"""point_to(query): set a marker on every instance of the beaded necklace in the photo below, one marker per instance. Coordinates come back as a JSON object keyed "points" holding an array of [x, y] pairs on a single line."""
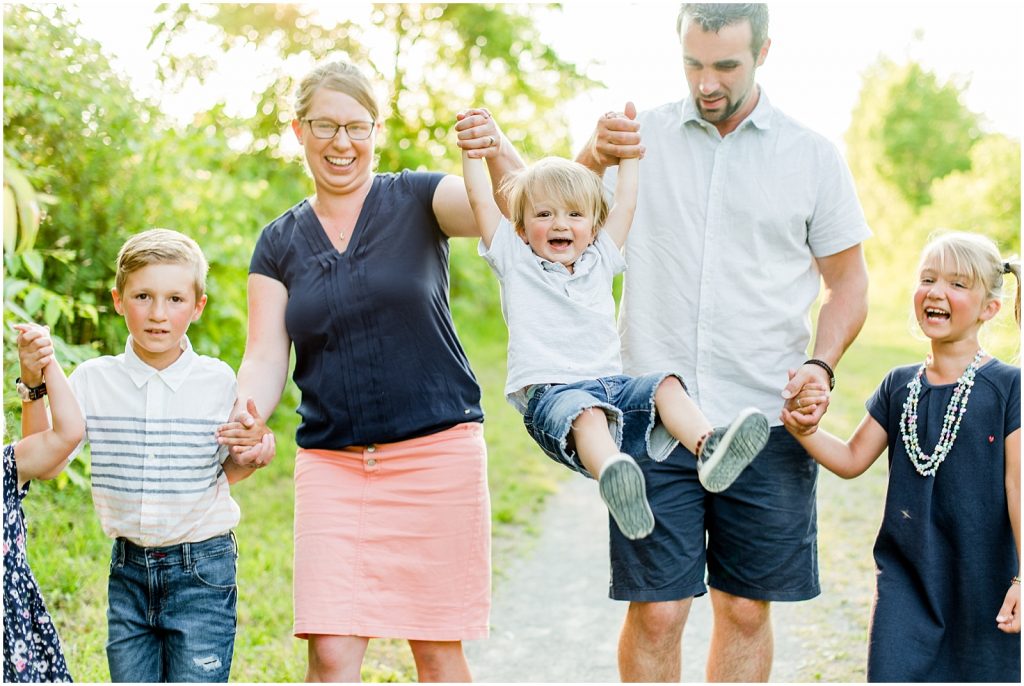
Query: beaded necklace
{"points": [[927, 465]]}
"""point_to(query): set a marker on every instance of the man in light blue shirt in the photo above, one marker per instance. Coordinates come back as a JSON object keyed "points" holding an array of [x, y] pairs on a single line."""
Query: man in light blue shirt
{"points": [[743, 214]]}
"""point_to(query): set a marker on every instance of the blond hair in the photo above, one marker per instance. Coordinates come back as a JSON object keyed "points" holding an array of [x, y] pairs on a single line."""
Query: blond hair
{"points": [[161, 246], [975, 257], [559, 179], [336, 76]]}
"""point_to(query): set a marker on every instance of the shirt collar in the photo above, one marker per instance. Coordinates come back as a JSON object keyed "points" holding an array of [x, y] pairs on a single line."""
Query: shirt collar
{"points": [[761, 116], [174, 376], [581, 266]]}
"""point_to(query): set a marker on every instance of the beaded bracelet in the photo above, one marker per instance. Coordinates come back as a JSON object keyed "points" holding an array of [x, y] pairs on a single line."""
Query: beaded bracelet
{"points": [[1015, 580]]}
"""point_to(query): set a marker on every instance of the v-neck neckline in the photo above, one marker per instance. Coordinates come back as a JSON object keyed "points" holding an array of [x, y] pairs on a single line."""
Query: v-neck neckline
{"points": [[313, 225]]}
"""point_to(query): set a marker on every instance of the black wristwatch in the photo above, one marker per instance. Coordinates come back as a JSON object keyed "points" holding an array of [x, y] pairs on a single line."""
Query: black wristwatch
{"points": [[29, 393], [824, 365]]}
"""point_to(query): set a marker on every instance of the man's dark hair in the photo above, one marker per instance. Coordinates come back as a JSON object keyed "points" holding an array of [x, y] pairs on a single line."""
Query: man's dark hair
{"points": [[713, 16]]}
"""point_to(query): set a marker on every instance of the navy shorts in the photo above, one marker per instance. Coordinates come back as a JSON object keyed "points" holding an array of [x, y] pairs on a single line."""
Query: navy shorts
{"points": [[761, 532], [628, 402]]}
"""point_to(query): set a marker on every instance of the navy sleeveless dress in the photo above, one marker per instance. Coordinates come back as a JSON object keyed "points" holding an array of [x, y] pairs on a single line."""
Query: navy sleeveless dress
{"points": [[32, 650], [945, 552]]}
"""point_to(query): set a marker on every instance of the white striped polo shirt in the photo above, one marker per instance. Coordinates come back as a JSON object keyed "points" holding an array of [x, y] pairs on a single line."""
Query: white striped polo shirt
{"points": [[157, 475]]}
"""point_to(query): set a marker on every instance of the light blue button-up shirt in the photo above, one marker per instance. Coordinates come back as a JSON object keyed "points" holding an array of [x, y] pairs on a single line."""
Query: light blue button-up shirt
{"points": [[722, 271]]}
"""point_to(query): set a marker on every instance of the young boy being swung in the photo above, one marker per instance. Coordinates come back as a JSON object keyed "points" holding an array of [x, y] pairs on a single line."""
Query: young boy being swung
{"points": [[159, 478], [555, 256]]}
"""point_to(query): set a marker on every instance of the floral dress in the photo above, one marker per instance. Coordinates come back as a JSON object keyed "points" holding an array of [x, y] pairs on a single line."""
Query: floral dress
{"points": [[32, 651]]}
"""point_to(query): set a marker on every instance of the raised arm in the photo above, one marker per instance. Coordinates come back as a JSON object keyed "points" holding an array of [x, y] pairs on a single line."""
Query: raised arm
{"points": [[481, 196], [615, 138], [42, 455], [35, 352], [478, 136], [846, 459]]}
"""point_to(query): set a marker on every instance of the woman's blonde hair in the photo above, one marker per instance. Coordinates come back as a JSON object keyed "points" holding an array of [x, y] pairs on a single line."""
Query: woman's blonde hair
{"points": [[161, 246], [976, 257], [336, 76], [559, 179]]}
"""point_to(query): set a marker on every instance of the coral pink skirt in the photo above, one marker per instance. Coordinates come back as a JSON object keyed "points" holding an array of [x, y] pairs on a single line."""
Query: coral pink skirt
{"points": [[393, 540]]}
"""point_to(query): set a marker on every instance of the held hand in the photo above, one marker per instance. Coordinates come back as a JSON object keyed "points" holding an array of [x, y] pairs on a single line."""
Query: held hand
{"points": [[478, 133], [1008, 619], [616, 136], [35, 351], [260, 454], [242, 434], [807, 400]]}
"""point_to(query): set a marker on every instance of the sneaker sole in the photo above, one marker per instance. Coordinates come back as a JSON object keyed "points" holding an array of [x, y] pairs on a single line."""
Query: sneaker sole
{"points": [[624, 492], [739, 446]]}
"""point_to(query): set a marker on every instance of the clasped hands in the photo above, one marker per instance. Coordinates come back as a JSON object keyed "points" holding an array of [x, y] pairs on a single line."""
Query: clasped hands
{"points": [[250, 442], [807, 397]]}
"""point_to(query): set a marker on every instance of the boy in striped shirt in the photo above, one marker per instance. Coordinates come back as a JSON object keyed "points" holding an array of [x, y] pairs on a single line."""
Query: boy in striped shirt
{"points": [[159, 478]]}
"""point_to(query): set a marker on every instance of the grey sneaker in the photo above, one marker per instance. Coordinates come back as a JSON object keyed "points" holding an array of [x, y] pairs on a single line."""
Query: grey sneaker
{"points": [[729, 449], [623, 491]]}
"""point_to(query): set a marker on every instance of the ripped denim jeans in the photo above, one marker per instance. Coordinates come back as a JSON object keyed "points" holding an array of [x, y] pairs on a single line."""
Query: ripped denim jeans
{"points": [[627, 401], [171, 613]]}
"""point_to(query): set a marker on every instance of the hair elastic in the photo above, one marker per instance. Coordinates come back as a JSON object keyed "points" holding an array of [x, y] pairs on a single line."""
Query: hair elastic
{"points": [[1006, 268]]}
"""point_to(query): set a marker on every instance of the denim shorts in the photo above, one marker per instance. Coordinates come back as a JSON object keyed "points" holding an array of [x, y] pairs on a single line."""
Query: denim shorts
{"points": [[171, 612], [628, 402], [758, 538]]}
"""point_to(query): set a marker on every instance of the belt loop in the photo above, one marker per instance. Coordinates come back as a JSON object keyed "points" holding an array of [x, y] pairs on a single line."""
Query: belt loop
{"points": [[234, 542], [119, 551], [186, 555]]}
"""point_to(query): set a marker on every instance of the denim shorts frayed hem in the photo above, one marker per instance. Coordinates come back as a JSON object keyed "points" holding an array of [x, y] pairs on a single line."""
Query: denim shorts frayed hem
{"points": [[628, 403]]}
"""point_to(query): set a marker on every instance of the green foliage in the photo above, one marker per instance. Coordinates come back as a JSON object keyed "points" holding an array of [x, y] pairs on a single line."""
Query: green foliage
{"points": [[434, 59], [909, 129], [72, 126], [921, 164], [984, 198]]}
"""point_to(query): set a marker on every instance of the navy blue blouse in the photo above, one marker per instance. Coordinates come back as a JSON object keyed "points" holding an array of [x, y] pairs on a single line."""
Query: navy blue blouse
{"points": [[945, 551], [377, 357]]}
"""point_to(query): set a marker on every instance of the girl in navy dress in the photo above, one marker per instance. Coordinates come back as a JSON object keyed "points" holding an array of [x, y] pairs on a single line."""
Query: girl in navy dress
{"points": [[947, 556], [32, 651]]}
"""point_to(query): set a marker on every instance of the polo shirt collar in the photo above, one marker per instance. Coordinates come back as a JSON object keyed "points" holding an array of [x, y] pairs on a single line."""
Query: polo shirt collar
{"points": [[581, 266], [761, 117], [174, 376]]}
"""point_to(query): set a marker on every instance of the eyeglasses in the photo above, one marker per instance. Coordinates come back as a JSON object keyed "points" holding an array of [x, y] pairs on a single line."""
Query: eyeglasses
{"points": [[325, 129]]}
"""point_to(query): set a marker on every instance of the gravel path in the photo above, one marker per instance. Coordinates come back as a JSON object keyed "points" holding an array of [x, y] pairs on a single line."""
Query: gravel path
{"points": [[552, 620]]}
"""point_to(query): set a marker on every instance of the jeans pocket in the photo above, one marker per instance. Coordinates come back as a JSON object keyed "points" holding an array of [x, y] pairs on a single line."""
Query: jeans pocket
{"points": [[218, 571]]}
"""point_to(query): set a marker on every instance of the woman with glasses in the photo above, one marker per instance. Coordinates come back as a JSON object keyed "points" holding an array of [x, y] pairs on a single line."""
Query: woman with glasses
{"points": [[392, 514]]}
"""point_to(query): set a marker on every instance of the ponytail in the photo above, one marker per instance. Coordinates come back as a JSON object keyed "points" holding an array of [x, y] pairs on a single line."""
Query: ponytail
{"points": [[1012, 266]]}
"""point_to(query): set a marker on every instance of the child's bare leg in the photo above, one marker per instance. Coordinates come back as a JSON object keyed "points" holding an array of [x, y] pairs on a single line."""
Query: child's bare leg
{"points": [[594, 442], [680, 414], [620, 480], [722, 452]]}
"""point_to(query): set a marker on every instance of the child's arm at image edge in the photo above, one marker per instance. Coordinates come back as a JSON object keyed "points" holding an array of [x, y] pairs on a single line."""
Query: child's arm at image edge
{"points": [[481, 198], [43, 455], [1008, 619], [847, 459], [35, 352]]}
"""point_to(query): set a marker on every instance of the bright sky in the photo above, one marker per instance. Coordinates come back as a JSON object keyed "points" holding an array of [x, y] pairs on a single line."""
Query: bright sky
{"points": [[813, 71]]}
